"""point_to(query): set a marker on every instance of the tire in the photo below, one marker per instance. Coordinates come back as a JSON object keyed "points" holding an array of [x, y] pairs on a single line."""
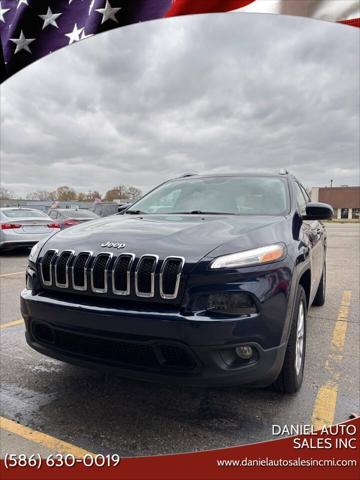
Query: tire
{"points": [[319, 299], [292, 372]]}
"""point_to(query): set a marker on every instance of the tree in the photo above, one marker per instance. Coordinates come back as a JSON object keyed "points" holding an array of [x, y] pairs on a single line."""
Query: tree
{"points": [[65, 193], [134, 193], [122, 192], [116, 193], [90, 196], [41, 195], [5, 194], [81, 196]]}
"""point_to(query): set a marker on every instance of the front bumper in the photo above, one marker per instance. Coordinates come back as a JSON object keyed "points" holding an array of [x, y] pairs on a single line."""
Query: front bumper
{"points": [[12, 245], [9, 241], [155, 346]]}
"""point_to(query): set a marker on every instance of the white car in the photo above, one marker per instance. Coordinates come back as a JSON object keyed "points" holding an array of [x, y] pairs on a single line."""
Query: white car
{"points": [[23, 227]]}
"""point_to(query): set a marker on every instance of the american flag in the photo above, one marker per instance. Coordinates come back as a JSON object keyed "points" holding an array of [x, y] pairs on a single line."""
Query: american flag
{"points": [[31, 29]]}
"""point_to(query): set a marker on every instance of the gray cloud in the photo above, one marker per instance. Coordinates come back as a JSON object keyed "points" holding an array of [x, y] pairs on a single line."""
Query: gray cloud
{"points": [[216, 93]]}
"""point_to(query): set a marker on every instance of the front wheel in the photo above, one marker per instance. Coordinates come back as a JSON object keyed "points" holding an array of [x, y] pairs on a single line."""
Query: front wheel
{"points": [[292, 372]]}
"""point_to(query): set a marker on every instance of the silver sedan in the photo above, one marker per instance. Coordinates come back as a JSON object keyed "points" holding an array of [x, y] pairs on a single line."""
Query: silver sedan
{"points": [[23, 227]]}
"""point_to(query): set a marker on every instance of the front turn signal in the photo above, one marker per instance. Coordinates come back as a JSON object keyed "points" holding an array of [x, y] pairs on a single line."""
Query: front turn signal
{"points": [[257, 256]]}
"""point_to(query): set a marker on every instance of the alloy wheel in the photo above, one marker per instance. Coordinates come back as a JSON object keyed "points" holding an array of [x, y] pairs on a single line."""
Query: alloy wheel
{"points": [[300, 330]]}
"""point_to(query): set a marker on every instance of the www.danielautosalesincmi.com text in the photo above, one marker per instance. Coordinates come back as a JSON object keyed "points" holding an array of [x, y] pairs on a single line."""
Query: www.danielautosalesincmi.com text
{"points": [[286, 462]]}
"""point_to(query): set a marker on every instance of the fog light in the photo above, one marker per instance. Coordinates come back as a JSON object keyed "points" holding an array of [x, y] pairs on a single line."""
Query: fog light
{"points": [[245, 352], [231, 304]]}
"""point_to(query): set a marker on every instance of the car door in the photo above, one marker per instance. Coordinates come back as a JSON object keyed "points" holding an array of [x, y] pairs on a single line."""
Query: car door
{"points": [[313, 232]]}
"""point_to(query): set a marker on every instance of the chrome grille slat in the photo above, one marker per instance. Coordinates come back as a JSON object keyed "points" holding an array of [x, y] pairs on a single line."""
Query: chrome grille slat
{"points": [[180, 261], [46, 262], [141, 292], [116, 267], [68, 255], [79, 256], [97, 260]]}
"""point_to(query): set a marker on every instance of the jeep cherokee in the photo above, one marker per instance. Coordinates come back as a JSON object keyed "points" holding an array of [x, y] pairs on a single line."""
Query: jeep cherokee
{"points": [[206, 280]]}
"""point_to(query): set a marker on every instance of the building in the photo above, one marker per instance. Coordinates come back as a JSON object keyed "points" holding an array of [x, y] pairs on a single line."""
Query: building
{"points": [[344, 200]]}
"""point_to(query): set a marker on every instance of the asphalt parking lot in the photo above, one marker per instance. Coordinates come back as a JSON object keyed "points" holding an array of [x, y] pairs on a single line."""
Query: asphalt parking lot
{"points": [[102, 413]]}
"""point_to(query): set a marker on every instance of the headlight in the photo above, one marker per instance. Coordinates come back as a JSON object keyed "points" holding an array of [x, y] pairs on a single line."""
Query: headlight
{"points": [[258, 256], [34, 252]]}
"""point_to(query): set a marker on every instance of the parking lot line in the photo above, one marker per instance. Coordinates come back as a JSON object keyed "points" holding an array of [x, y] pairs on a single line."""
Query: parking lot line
{"points": [[4, 275], [325, 403], [11, 324], [43, 439]]}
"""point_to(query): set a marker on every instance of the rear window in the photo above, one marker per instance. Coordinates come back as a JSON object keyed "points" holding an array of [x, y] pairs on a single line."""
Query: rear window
{"points": [[106, 209], [79, 214], [22, 213]]}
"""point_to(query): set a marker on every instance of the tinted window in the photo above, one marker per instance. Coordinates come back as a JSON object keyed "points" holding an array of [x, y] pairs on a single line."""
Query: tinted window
{"points": [[24, 213], [233, 195]]}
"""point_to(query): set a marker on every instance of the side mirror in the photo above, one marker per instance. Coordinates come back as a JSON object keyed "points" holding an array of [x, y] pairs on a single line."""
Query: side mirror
{"points": [[318, 211]]}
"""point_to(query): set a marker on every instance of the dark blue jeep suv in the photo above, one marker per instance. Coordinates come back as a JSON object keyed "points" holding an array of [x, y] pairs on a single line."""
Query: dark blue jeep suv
{"points": [[206, 280]]}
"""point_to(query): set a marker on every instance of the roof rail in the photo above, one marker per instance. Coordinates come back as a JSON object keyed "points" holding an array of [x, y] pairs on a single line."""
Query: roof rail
{"points": [[283, 171]]}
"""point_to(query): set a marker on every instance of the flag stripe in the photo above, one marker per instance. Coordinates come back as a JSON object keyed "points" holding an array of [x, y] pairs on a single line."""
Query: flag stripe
{"points": [[185, 7], [354, 22]]}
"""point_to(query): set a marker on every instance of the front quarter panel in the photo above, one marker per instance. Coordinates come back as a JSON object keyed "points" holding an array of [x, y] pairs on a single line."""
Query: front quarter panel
{"points": [[269, 286]]}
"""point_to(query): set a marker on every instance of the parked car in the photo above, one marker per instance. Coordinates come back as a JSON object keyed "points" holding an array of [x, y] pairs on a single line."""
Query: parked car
{"points": [[105, 209], [23, 227], [68, 217], [207, 280]]}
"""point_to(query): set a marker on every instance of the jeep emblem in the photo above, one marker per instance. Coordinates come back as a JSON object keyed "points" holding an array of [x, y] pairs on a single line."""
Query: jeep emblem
{"points": [[113, 245]]}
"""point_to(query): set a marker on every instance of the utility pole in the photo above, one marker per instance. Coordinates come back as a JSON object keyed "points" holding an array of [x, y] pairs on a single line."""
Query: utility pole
{"points": [[331, 182]]}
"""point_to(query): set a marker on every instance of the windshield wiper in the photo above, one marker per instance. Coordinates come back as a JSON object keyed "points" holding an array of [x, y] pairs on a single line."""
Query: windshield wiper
{"points": [[134, 212]]}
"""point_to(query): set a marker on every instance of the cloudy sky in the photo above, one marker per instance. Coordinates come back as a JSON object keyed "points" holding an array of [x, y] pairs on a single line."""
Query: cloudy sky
{"points": [[214, 93]]}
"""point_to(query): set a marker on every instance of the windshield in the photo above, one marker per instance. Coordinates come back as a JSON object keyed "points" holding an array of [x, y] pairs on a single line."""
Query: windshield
{"points": [[20, 213], [216, 195]]}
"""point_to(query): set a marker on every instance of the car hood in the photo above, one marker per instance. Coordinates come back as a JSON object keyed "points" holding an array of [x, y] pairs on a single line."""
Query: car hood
{"points": [[190, 236]]}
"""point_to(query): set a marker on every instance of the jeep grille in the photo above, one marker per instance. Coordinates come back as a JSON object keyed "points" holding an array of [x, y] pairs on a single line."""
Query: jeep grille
{"points": [[105, 273]]}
